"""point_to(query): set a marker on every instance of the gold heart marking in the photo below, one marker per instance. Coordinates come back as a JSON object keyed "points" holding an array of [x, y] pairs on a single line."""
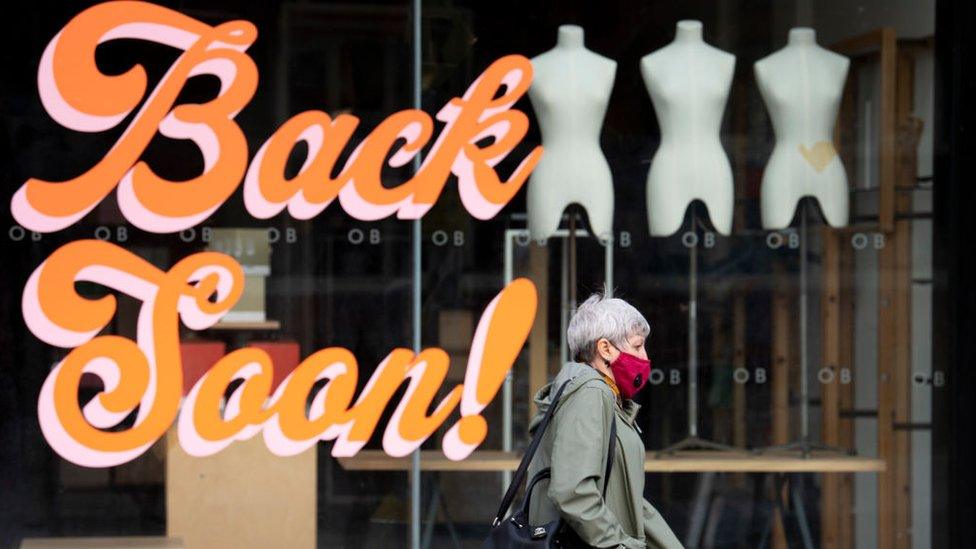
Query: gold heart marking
{"points": [[820, 155]]}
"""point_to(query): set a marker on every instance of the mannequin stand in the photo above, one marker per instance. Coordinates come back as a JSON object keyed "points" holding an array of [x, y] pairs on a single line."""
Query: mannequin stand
{"points": [[790, 487], [693, 441], [571, 266], [804, 444]]}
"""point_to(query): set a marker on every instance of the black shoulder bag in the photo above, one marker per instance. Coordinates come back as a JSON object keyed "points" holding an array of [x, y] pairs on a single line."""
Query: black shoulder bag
{"points": [[516, 531]]}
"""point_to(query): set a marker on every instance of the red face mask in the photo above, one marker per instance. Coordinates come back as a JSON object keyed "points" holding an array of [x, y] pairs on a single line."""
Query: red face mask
{"points": [[630, 372]]}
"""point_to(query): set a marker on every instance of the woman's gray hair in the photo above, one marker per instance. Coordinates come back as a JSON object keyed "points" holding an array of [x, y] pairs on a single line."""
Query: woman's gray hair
{"points": [[601, 316]]}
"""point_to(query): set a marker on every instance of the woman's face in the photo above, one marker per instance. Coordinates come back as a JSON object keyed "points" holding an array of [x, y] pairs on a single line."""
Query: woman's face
{"points": [[633, 344]]}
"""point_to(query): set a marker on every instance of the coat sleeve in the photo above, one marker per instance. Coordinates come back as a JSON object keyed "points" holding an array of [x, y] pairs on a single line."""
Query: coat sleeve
{"points": [[656, 531], [578, 459]]}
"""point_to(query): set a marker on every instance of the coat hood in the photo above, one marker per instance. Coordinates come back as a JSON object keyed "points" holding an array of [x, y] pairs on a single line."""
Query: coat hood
{"points": [[578, 374]]}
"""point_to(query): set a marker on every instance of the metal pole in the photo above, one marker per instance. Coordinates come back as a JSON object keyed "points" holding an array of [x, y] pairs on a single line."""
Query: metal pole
{"points": [[507, 387], [415, 457], [693, 335], [804, 389], [608, 265]]}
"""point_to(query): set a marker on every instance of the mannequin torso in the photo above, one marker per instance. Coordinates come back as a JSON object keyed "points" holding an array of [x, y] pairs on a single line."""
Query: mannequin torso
{"points": [[802, 85], [570, 91], [689, 82]]}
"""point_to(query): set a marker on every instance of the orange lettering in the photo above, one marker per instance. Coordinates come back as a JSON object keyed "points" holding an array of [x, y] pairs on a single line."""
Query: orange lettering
{"points": [[79, 96], [146, 374]]}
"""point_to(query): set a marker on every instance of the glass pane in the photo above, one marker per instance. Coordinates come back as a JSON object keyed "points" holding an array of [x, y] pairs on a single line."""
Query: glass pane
{"points": [[311, 284], [780, 381], [755, 178]]}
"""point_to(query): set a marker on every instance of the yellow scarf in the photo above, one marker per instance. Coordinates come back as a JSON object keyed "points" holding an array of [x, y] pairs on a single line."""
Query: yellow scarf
{"points": [[611, 383]]}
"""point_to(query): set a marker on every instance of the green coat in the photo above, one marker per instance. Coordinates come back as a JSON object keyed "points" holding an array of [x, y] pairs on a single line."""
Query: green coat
{"points": [[575, 447]]}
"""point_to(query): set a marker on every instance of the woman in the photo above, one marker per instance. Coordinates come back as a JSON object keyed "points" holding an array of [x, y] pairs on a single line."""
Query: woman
{"points": [[606, 338]]}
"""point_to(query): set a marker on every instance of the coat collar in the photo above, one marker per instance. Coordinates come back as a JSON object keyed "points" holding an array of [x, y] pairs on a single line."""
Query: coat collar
{"points": [[629, 408], [579, 373]]}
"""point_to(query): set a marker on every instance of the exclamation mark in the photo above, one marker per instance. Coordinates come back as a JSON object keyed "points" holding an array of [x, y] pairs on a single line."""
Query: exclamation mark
{"points": [[501, 333]]}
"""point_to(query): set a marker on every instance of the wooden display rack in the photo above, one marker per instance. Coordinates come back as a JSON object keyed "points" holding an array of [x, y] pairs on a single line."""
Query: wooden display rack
{"points": [[898, 140], [680, 462]]}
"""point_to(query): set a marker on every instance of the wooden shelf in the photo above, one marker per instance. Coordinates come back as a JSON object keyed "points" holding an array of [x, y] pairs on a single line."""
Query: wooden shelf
{"points": [[138, 542], [262, 325], [682, 462]]}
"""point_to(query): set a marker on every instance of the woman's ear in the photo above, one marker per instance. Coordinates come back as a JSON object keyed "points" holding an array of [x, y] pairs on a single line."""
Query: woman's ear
{"points": [[603, 349]]}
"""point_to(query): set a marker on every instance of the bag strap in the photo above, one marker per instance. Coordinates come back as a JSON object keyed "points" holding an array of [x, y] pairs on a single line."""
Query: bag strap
{"points": [[547, 472], [527, 458], [523, 467]]}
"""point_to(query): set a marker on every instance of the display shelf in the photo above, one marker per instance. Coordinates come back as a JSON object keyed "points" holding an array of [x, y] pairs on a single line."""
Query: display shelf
{"points": [[134, 542], [255, 325], [680, 462]]}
